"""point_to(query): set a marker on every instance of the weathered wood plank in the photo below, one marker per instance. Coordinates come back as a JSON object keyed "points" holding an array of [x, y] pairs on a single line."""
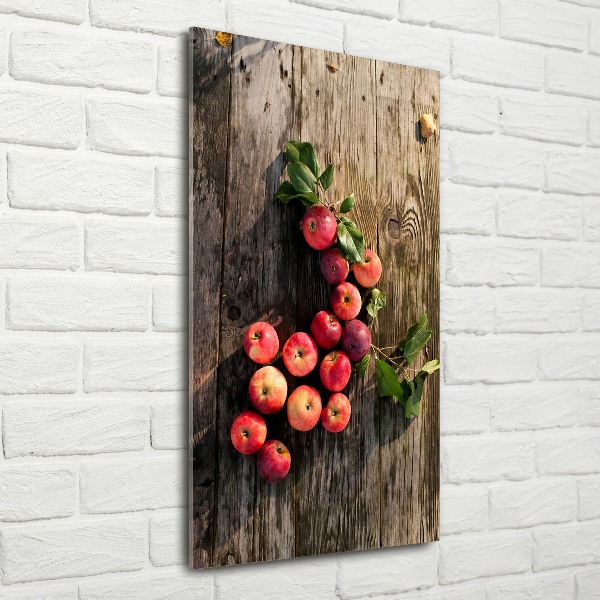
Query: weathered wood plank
{"points": [[408, 193]]}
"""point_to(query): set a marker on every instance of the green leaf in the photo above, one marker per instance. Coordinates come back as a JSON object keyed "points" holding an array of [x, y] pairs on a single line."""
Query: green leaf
{"points": [[362, 365], [412, 405], [347, 204], [301, 177], [303, 152], [286, 192], [326, 178], [350, 240], [387, 381], [415, 344], [430, 367], [377, 301], [308, 199], [414, 328]]}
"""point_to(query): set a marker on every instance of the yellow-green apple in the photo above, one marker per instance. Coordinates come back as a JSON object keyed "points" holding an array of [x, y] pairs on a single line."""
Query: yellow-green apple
{"points": [[268, 390], [334, 266], [335, 371], [368, 272], [336, 414], [273, 461], [356, 339], [346, 301], [248, 432], [300, 354], [261, 342], [304, 408], [319, 227], [326, 329]]}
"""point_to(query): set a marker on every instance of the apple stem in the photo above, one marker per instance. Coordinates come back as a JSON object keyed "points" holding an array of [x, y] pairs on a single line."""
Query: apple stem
{"points": [[388, 358]]}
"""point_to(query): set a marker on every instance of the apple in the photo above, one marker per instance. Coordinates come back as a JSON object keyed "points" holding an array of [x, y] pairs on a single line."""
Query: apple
{"points": [[300, 354], [368, 272], [304, 408], [261, 342], [268, 390], [346, 301], [248, 432], [335, 371], [356, 339], [273, 461], [319, 227], [336, 414], [326, 329], [334, 266]]}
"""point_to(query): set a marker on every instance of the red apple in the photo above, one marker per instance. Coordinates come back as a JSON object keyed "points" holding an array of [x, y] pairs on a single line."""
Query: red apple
{"points": [[268, 390], [335, 371], [319, 227], [346, 301], [326, 329], [261, 342], [367, 273], [248, 432], [356, 339], [300, 354], [273, 461], [334, 266], [304, 408], [336, 414]]}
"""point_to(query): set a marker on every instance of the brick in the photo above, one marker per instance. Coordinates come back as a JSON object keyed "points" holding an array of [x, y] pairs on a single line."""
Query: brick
{"points": [[79, 184], [531, 587], [467, 310], [588, 584], [463, 509], [168, 17], [498, 62], [41, 118], [533, 407], [384, 8], [168, 541], [464, 411], [527, 504], [571, 266], [545, 118], [168, 423], [133, 365], [34, 243], [75, 427], [482, 262], [456, 592], [82, 59], [137, 127], [169, 305], [467, 209], [37, 492], [135, 246], [580, 361], [595, 35], [462, 559], [124, 486], [184, 586], [496, 161], [567, 546], [398, 570], [69, 11], [40, 366], [537, 311], [73, 550], [171, 191], [588, 492], [476, 460], [3, 50], [489, 360], [466, 107], [426, 48], [590, 410], [48, 592], [478, 16], [88, 303], [562, 25], [526, 214], [568, 453], [591, 222], [573, 74], [572, 172], [172, 69], [594, 128]]}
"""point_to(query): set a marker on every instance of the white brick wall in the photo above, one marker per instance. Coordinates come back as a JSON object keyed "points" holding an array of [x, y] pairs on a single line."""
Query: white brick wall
{"points": [[93, 300]]}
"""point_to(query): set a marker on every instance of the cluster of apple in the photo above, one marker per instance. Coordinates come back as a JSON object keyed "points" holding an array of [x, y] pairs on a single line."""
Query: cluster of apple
{"points": [[268, 386]]}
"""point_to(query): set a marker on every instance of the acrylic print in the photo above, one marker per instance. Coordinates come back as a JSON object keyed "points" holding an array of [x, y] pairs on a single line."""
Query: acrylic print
{"points": [[314, 292]]}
